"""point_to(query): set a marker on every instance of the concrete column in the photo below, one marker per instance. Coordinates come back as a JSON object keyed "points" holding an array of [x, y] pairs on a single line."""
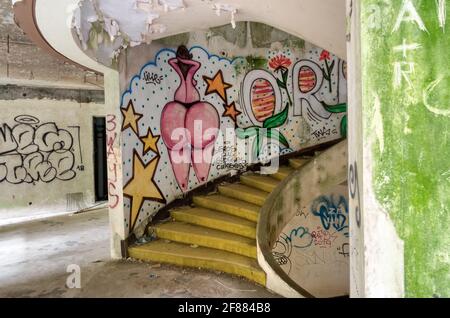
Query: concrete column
{"points": [[355, 151], [114, 162], [399, 145]]}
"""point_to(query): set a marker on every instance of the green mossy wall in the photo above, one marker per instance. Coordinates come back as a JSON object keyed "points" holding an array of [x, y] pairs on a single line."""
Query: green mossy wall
{"points": [[410, 124]]}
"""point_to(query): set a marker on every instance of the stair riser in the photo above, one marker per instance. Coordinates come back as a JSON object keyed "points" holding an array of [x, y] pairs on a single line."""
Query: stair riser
{"points": [[225, 208], [297, 163], [258, 185], [234, 228], [207, 241], [230, 268], [242, 196], [279, 176]]}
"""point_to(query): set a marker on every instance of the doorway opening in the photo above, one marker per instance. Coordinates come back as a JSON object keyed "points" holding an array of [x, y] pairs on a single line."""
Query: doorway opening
{"points": [[100, 167]]}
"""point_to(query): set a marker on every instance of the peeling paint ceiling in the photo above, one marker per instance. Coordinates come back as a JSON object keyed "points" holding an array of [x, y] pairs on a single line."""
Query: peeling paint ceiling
{"points": [[102, 28], [105, 27]]}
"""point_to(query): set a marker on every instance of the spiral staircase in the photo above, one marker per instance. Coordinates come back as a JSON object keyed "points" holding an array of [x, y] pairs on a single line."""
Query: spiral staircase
{"points": [[219, 231], [233, 229]]}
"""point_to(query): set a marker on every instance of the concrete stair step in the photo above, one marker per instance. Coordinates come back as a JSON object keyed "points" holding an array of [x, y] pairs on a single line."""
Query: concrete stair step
{"points": [[206, 237], [228, 205], [282, 172], [298, 162], [244, 193], [215, 220], [261, 182], [200, 257]]}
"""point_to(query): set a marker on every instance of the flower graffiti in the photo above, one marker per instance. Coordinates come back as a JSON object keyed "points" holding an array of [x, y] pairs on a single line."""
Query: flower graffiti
{"points": [[328, 70], [263, 104], [279, 62], [325, 56]]}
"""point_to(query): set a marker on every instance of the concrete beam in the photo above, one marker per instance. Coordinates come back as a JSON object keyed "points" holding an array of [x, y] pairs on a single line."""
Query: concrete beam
{"points": [[13, 92]]}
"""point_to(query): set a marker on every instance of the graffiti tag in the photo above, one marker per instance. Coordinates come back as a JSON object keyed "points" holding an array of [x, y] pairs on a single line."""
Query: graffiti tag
{"points": [[31, 151], [152, 78], [111, 157], [332, 213]]}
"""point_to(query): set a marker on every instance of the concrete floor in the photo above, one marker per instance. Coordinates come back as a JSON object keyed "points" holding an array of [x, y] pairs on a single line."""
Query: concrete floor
{"points": [[34, 257]]}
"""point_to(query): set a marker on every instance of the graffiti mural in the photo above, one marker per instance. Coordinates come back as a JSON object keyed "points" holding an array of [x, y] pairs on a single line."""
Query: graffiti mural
{"points": [[178, 110], [32, 151]]}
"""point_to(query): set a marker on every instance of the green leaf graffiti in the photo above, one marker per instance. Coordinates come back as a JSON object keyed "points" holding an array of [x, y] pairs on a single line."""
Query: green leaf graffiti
{"points": [[338, 109], [278, 119]]}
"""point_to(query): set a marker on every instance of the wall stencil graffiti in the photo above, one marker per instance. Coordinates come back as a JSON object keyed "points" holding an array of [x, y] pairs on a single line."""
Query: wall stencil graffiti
{"points": [[32, 151], [178, 108]]}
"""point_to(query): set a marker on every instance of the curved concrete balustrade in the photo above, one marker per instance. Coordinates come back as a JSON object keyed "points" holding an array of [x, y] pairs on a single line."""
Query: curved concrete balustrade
{"points": [[313, 179]]}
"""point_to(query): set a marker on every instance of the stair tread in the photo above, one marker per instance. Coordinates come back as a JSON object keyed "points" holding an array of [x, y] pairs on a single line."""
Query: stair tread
{"points": [[215, 220], [215, 215], [231, 201], [195, 230], [228, 205], [197, 252], [203, 257], [244, 193], [262, 182]]}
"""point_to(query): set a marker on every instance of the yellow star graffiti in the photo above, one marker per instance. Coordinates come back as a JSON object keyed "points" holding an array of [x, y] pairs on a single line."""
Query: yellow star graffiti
{"points": [[142, 186], [150, 142], [231, 111], [217, 85], [130, 118]]}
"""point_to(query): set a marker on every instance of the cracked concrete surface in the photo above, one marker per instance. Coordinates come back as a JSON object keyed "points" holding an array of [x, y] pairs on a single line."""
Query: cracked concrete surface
{"points": [[34, 257]]}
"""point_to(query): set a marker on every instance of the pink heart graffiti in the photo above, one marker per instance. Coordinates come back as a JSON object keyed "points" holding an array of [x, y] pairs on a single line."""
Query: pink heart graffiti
{"points": [[189, 127]]}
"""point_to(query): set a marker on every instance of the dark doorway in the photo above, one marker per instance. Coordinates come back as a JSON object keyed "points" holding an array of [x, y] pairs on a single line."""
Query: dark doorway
{"points": [[100, 167]]}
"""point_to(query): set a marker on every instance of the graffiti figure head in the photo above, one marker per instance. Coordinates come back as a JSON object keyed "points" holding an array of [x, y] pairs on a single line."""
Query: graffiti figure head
{"points": [[189, 127], [183, 55]]}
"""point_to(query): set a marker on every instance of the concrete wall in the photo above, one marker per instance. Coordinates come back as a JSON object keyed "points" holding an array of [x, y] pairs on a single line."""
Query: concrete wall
{"points": [[313, 248], [46, 141], [46, 156], [303, 89], [402, 83]]}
